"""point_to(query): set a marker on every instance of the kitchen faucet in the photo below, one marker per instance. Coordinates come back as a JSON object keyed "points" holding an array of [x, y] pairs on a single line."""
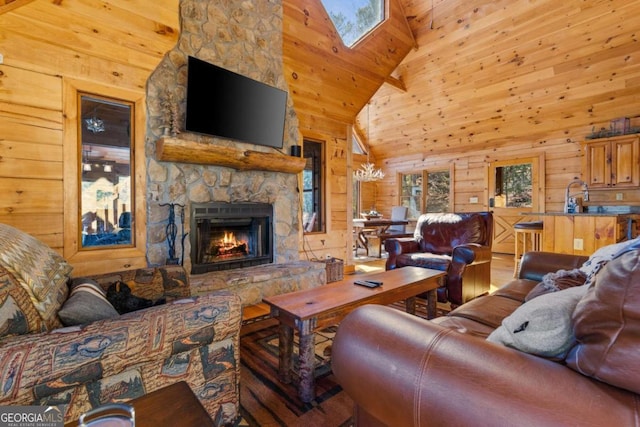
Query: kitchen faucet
{"points": [[568, 206]]}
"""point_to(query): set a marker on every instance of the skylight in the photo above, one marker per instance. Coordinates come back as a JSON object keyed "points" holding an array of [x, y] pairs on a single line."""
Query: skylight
{"points": [[353, 19]]}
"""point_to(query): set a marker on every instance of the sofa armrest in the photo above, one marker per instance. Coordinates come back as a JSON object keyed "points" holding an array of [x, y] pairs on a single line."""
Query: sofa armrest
{"points": [[397, 246], [463, 256], [405, 370], [534, 265], [194, 340], [471, 253]]}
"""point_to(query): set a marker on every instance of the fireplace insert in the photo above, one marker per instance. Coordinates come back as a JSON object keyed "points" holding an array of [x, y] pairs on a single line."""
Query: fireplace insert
{"points": [[230, 235]]}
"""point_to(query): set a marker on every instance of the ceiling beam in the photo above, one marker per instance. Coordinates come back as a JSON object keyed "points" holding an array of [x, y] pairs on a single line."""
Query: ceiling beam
{"points": [[396, 82]]}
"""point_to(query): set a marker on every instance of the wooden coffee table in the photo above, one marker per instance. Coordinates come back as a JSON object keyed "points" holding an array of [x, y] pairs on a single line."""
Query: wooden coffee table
{"points": [[314, 309], [174, 405]]}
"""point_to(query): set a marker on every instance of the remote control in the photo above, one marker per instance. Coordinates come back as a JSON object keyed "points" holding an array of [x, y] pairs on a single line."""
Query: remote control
{"points": [[375, 282], [365, 283]]}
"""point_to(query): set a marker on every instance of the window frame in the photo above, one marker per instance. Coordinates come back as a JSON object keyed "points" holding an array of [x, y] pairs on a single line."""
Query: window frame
{"points": [[109, 258], [362, 34], [319, 163], [424, 187]]}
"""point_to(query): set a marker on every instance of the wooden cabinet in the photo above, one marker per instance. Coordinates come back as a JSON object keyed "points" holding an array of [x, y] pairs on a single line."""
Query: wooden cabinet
{"points": [[583, 234], [612, 162]]}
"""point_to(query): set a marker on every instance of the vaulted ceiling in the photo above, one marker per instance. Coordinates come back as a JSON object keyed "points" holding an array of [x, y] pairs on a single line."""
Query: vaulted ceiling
{"points": [[326, 78], [492, 73]]}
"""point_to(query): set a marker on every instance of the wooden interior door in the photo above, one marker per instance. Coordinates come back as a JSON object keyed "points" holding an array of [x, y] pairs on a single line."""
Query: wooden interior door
{"points": [[515, 190]]}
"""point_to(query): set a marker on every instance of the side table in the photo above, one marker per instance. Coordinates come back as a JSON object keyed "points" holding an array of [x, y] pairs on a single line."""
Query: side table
{"points": [[174, 405]]}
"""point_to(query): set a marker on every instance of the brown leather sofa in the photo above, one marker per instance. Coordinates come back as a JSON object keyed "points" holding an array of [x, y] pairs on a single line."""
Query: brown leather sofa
{"points": [[458, 243], [403, 370]]}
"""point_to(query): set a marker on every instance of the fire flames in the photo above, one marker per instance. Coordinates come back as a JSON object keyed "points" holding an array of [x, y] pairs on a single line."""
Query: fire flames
{"points": [[229, 239], [228, 245]]}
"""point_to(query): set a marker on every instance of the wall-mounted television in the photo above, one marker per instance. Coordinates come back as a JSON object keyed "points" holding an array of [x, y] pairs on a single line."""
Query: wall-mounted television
{"points": [[228, 105]]}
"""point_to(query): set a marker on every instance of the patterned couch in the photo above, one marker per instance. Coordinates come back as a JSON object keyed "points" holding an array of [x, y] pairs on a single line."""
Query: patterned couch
{"points": [[117, 358]]}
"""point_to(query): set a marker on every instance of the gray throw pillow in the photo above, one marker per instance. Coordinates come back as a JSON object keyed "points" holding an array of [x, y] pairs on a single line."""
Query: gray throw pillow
{"points": [[543, 325], [86, 303]]}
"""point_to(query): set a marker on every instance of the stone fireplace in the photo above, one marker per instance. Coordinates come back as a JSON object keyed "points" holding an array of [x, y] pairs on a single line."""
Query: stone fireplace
{"points": [[246, 38]]}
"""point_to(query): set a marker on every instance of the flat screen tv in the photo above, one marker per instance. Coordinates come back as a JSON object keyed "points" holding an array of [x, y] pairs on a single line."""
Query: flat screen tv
{"points": [[228, 105]]}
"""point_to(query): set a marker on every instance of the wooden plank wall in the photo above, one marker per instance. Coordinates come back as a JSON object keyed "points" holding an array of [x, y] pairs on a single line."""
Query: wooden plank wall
{"points": [[337, 194], [113, 44], [31, 186], [506, 80]]}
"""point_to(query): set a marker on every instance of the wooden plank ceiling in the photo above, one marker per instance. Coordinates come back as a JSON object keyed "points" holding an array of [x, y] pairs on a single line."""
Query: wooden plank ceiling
{"points": [[328, 80], [491, 73]]}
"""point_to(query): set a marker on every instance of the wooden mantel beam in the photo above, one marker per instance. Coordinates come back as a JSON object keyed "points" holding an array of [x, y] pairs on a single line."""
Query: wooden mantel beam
{"points": [[185, 151]]}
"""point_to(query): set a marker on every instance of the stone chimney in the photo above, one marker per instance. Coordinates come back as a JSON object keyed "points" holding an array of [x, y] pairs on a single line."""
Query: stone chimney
{"points": [[246, 38]]}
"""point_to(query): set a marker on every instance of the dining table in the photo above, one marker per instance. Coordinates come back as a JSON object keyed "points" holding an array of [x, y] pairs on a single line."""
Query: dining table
{"points": [[365, 229]]}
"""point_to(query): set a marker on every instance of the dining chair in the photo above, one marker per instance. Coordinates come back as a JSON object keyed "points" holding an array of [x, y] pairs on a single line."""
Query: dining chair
{"points": [[398, 213]]}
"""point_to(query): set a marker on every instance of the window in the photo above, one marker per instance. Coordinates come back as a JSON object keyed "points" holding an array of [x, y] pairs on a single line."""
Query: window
{"points": [[411, 194], [426, 191], [514, 186], [312, 187], [356, 199], [353, 19], [438, 194], [106, 204]]}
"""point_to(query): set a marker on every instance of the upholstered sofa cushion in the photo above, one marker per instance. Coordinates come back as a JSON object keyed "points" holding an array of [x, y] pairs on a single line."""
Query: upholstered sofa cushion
{"points": [[557, 281], [17, 314], [607, 325], [452, 230], [86, 303], [41, 271], [488, 310]]}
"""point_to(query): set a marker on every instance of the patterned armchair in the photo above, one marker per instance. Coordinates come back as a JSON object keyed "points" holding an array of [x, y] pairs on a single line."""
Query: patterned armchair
{"points": [[120, 357]]}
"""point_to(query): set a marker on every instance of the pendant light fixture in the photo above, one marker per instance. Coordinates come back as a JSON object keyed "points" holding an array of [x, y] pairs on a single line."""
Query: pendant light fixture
{"points": [[94, 123], [367, 171], [86, 160]]}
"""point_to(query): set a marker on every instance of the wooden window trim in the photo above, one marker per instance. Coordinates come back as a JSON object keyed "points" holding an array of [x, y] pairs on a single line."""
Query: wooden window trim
{"points": [[424, 172], [108, 259]]}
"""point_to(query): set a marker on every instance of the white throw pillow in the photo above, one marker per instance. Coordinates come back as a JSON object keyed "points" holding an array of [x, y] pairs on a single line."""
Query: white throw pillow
{"points": [[541, 326]]}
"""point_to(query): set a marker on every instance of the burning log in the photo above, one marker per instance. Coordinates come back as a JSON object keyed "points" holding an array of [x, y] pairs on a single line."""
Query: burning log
{"points": [[228, 246]]}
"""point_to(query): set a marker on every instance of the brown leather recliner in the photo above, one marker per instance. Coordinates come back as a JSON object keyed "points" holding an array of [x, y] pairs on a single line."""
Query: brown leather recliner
{"points": [[458, 243]]}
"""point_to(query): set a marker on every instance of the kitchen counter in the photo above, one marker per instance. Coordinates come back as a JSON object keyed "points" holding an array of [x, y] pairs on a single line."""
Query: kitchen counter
{"points": [[575, 214], [584, 233]]}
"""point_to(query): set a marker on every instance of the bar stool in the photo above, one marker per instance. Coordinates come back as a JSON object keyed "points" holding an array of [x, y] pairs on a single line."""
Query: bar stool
{"points": [[528, 236]]}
